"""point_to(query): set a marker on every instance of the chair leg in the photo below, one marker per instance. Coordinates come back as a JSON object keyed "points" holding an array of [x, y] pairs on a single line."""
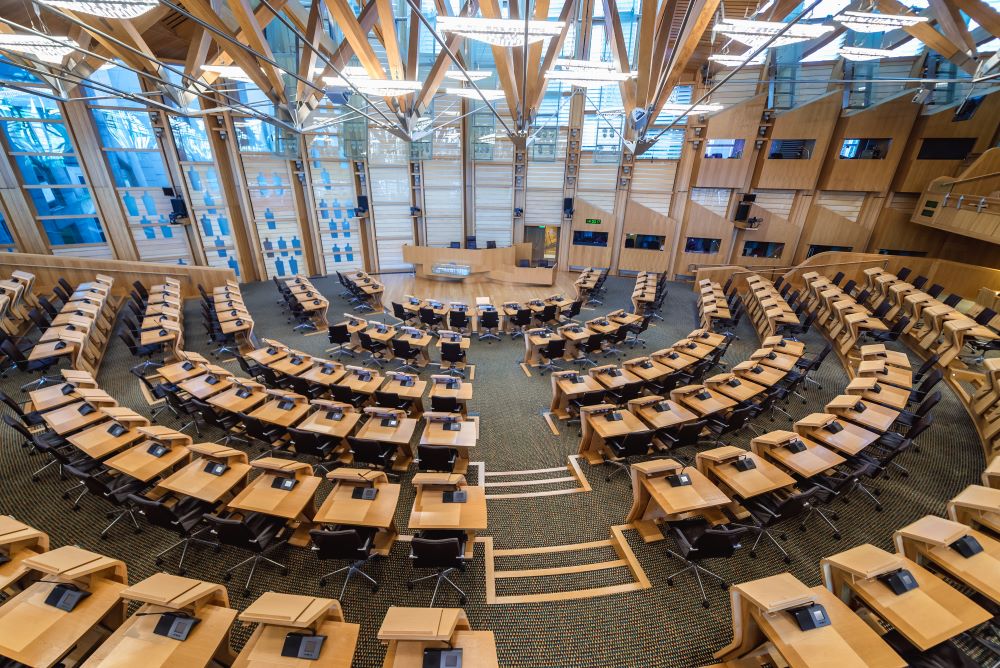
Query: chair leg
{"points": [[620, 467]]}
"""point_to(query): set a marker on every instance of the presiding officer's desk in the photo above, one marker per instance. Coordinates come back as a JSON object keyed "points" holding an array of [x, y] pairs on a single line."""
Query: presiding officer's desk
{"points": [[136, 643], [761, 613], [485, 264], [928, 541], [35, 633], [278, 615], [409, 631]]}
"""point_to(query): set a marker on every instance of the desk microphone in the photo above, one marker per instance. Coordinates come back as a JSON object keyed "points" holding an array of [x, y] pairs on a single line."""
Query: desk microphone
{"points": [[795, 445], [679, 479], [744, 463], [174, 624]]}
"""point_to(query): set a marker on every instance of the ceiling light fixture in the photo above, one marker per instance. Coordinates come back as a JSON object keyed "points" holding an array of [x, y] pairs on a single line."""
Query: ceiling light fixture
{"points": [[696, 109], [46, 49], [869, 22], [473, 75], [499, 32], [232, 72], [111, 9], [756, 34], [587, 73], [471, 94], [858, 53], [380, 87], [737, 60]]}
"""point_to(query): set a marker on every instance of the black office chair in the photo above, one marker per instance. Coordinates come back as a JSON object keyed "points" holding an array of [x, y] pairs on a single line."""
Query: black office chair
{"points": [[436, 458], [445, 405], [547, 316], [444, 555], [454, 355], [185, 518], [99, 483], [375, 349], [304, 387], [905, 419], [226, 422], [633, 444], [489, 326], [24, 365], [316, 445], [553, 350], [257, 533], [430, 319], [892, 334], [391, 400], [768, 510], [635, 329], [354, 544], [271, 436], [373, 454], [346, 395], [183, 408], [458, 321], [808, 365], [573, 310], [401, 314], [407, 354], [733, 422], [341, 338], [928, 364], [491, 244], [589, 348], [620, 396], [926, 385], [697, 540], [54, 447], [520, 321], [682, 436], [575, 405], [251, 368]]}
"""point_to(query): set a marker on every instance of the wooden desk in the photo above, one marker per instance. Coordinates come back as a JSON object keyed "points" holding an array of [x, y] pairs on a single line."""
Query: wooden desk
{"points": [[597, 429], [928, 540], [431, 512], [673, 359], [872, 391], [714, 403], [51, 397], [660, 413], [850, 440], [926, 616], [18, 542], [203, 387], [231, 401], [977, 506], [412, 392], [453, 388], [195, 482], [867, 414], [292, 365], [324, 373], [564, 390], [359, 384], [276, 615], [341, 508], [400, 436], [462, 441], [654, 498], [758, 373], [260, 497], [533, 343], [718, 464], [886, 373], [267, 355], [272, 413], [409, 631], [991, 474], [136, 462], [180, 371], [614, 378], [815, 459], [760, 610], [98, 442], [317, 422], [646, 368], [735, 388], [68, 419]]}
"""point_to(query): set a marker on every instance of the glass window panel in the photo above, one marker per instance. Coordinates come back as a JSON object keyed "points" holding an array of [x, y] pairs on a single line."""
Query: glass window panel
{"points": [[117, 78], [61, 201], [27, 137], [11, 72], [15, 104], [68, 231], [50, 170], [6, 239], [191, 138], [138, 169], [124, 129]]}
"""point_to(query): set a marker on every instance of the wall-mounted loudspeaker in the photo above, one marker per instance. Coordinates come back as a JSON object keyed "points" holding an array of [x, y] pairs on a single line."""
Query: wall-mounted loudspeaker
{"points": [[568, 206]]}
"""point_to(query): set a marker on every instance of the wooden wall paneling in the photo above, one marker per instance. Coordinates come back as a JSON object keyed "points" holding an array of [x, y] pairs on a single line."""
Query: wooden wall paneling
{"points": [[892, 119], [79, 123], [275, 214], [48, 268], [312, 245], [740, 121], [640, 219], [706, 218], [895, 231], [814, 120], [832, 220], [915, 175], [774, 209], [591, 256]]}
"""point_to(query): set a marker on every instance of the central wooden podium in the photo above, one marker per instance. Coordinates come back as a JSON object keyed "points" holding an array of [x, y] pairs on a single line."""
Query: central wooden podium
{"points": [[475, 265]]}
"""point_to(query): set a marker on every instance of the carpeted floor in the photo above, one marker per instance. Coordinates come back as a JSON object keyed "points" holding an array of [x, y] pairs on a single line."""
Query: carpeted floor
{"points": [[660, 626]]}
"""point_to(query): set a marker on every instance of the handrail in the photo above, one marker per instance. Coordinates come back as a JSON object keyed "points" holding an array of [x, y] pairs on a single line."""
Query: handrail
{"points": [[980, 177]]}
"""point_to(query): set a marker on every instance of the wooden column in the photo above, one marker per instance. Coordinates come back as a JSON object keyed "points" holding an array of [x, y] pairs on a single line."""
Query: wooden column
{"points": [[16, 210]]}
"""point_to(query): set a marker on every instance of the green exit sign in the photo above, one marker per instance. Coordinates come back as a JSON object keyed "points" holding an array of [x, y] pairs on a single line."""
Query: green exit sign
{"points": [[593, 221]]}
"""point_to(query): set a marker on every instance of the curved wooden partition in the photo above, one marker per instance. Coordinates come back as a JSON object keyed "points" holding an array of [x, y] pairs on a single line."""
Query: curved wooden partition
{"points": [[49, 268], [485, 264], [974, 283]]}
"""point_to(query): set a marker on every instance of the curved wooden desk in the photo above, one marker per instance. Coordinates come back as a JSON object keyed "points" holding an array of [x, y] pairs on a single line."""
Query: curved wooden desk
{"points": [[493, 264]]}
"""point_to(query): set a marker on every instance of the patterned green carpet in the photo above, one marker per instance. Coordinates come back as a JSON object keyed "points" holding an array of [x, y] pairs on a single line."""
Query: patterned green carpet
{"points": [[661, 626]]}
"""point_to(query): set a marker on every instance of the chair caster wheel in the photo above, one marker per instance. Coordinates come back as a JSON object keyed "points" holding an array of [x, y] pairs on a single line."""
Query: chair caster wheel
{"points": [[322, 582], [34, 478], [76, 507], [409, 585], [723, 586], [836, 536], [704, 604], [462, 600], [753, 554], [65, 495], [227, 577], [246, 593], [217, 549], [109, 515], [835, 517], [159, 562], [607, 479], [879, 507], [63, 478], [182, 572], [137, 531], [104, 536], [374, 589], [284, 572], [788, 560], [783, 536], [670, 581], [802, 528]]}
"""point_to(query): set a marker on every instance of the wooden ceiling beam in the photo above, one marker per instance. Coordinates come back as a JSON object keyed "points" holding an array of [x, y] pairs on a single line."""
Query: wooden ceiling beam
{"points": [[354, 34], [982, 14], [502, 61], [953, 25], [307, 58], [535, 78], [263, 17], [619, 50], [413, 46], [700, 15], [435, 76], [661, 43], [644, 59], [254, 35], [390, 40], [517, 52], [537, 86], [929, 36]]}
